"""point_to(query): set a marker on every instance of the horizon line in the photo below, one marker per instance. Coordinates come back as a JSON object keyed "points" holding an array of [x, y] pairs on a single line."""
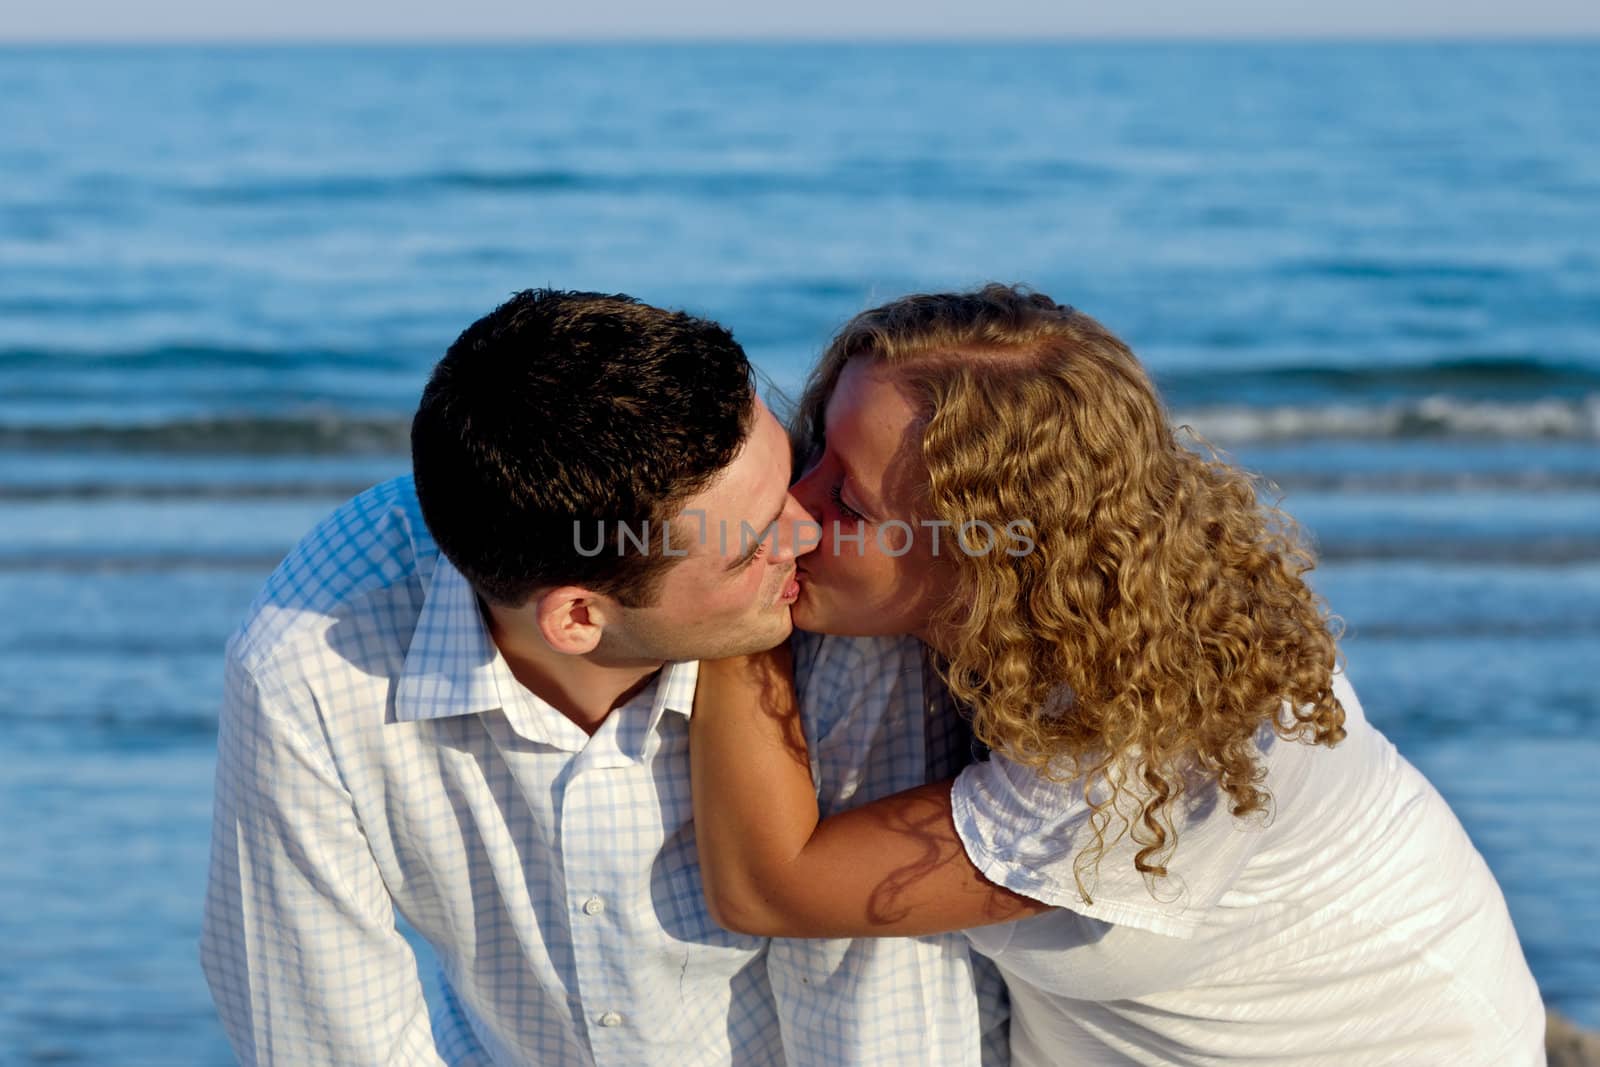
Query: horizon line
{"points": [[1577, 37]]}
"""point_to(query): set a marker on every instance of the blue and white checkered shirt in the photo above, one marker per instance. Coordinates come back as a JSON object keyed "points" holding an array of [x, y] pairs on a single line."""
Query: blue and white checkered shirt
{"points": [[376, 753]]}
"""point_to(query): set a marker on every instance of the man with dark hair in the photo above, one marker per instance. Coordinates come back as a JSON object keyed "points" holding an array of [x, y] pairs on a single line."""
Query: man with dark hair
{"points": [[627, 412], [464, 697]]}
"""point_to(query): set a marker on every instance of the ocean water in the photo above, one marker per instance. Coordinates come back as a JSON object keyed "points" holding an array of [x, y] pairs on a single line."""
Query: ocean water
{"points": [[1370, 272]]}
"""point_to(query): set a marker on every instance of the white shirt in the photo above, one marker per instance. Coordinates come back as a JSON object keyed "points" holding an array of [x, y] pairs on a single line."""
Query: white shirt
{"points": [[375, 753], [1357, 925]]}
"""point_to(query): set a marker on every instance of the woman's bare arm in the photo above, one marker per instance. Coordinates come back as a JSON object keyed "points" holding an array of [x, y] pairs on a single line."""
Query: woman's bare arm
{"points": [[893, 867]]}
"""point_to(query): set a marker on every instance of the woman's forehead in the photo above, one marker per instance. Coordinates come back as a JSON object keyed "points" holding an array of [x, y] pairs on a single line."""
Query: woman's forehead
{"points": [[873, 427]]}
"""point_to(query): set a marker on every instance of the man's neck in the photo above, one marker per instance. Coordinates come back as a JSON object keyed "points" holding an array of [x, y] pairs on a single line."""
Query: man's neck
{"points": [[580, 688]]}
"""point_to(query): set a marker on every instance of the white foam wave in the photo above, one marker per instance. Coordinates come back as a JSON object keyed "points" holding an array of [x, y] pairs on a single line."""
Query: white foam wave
{"points": [[1433, 416]]}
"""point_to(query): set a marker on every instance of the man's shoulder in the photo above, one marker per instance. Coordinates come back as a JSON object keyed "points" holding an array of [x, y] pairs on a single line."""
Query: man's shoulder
{"points": [[863, 699], [373, 544], [841, 678], [828, 661]]}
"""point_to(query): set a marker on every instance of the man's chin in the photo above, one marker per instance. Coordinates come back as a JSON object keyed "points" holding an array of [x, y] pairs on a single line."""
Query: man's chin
{"points": [[756, 633]]}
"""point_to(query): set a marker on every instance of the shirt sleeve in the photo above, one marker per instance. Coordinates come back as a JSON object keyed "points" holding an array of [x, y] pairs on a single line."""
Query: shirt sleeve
{"points": [[1025, 831], [871, 1000], [298, 941]]}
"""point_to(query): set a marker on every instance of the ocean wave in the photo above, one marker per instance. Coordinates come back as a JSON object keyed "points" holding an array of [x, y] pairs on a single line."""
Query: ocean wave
{"points": [[36, 493], [151, 729], [1532, 550], [1422, 629], [134, 562], [1484, 375], [1388, 268], [1414, 481], [1442, 417], [333, 432], [319, 433], [1477, 375], [1410, 481], [112, 726], [222, 357], [512, 182], [923, 177], [352, 187]]}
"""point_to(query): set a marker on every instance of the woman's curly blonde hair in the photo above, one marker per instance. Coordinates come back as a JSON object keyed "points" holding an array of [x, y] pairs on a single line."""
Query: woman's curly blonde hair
{"points": [[1162, 618]]}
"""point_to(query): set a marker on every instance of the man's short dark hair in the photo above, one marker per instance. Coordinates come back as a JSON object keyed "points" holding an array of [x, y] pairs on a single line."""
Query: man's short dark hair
{"points": [[563, 407]]}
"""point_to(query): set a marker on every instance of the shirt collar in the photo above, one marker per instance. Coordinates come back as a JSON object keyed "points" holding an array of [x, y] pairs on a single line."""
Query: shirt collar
{"points": [[450, 666], [454, 668], [675, 690]]}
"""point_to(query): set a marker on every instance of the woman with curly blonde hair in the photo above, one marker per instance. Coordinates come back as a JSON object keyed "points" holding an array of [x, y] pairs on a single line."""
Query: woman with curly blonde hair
{"points": [[1188, 844]]}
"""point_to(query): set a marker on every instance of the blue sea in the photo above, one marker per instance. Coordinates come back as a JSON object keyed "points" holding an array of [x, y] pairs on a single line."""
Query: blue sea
{"points": [[1370, 272]]}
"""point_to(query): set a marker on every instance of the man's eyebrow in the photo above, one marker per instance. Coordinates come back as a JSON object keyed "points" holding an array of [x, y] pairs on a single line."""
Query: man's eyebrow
{"points": [[761, 531]]}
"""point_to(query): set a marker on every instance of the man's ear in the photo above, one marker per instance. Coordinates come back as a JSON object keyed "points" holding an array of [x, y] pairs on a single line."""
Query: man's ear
{"points": [[572, 618]]}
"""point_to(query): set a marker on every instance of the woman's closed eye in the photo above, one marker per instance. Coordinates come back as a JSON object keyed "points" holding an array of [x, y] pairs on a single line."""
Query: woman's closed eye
{"points": [[837, 496]]}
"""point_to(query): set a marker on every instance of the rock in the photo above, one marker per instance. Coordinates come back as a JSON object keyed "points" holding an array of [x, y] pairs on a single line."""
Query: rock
{"points": [[1569, 1046]]}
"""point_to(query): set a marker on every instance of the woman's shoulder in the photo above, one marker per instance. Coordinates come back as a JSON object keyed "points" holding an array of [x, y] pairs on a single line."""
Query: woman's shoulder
{"points": [[1029, 829], [1036, 835]]}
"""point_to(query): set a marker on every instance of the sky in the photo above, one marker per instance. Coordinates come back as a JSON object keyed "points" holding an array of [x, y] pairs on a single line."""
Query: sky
{"points": [[383, 20]]}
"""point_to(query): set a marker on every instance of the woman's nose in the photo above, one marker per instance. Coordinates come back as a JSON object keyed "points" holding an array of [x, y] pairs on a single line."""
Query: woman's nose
{"points": [[808, 492]]}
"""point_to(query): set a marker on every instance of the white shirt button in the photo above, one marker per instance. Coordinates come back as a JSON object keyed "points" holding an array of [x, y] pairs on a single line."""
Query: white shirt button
{"points": [[611, 1018], [594, 906]]}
